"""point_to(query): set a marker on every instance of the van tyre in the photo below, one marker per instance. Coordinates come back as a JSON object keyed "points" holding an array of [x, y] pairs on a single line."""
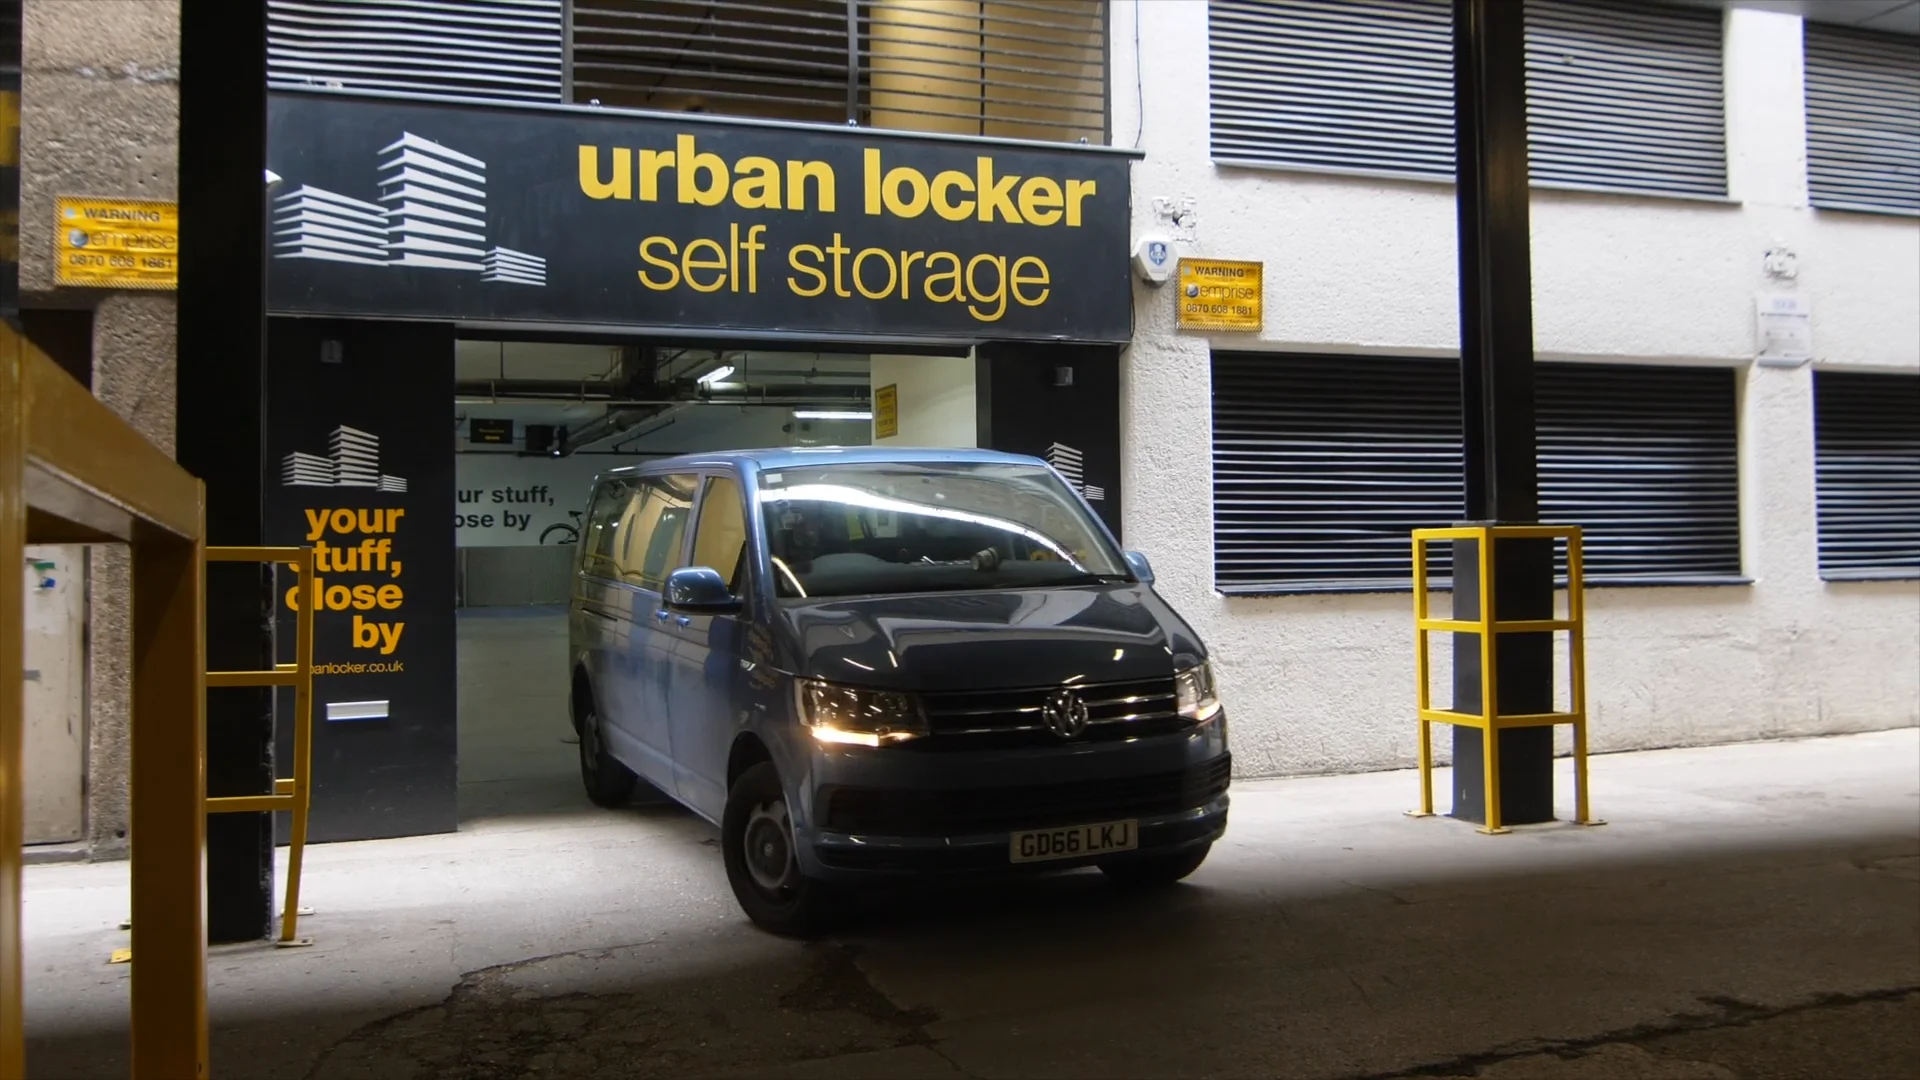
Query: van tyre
{"points": [[756, 840], [1155, 871], [608, 782]]}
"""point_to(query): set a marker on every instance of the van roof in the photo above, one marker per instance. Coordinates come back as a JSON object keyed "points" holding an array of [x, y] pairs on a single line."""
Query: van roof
{"points": [[792, 457]]}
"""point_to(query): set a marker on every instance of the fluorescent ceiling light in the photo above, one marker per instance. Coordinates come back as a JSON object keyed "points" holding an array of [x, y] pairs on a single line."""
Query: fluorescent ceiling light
{"points": [[717, 374], [831, 414]]}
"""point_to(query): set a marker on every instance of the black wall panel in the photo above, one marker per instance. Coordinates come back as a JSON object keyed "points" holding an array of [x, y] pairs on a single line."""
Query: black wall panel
{"points": [[1027, 406]]}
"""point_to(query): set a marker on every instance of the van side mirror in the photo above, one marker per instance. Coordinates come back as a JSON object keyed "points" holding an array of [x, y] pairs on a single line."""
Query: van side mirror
{"points": [[700, 590], [1141, 568]]}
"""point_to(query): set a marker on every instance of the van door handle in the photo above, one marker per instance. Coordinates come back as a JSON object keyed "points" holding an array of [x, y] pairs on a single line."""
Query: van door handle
{"points": [[684, 620]]}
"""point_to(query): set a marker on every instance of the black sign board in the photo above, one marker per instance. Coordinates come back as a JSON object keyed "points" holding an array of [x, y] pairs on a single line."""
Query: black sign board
{"points": [[562, 215], [490, 430], [359, 476]]}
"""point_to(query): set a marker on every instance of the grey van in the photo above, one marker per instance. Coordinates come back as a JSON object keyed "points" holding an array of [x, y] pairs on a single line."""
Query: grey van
{"points": [[870, 662]]}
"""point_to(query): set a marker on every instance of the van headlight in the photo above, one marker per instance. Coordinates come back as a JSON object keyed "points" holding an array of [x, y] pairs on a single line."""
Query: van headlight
{"points": [[1194, 695], [850, 715]]}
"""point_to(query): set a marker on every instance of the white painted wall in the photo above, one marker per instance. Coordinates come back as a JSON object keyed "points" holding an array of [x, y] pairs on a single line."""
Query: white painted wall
{"points": [[936, 399], [506, 500], [1366, 266]]}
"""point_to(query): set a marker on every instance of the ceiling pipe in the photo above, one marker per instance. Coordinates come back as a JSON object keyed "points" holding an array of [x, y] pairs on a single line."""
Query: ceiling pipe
{"points": [[822, 400], [476, 394], [613, 425]]}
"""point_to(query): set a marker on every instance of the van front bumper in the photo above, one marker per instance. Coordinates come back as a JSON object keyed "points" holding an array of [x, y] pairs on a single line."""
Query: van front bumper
{"points": [[861, 831]]}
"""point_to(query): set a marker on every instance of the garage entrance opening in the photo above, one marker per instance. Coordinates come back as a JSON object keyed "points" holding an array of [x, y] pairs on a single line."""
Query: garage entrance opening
{"points": [[534, 422]]}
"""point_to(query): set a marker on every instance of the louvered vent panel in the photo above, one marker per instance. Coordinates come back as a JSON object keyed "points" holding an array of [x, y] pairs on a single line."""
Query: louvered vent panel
{"points": [[1323, 466], [467, 49], [1863, 120], [1646, 461], [1032, 69], [1867, 463], [1625, 97], [786, 61], [1356, 85], [1620, 97]]}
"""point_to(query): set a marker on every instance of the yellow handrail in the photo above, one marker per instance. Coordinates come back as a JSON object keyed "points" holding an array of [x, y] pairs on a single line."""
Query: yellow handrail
{"points": [[73, 472], [293, 794]]}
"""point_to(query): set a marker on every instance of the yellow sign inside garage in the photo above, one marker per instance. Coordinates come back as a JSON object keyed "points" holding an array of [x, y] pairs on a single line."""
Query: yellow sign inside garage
{"points": [[886, 412], [116, 243]]}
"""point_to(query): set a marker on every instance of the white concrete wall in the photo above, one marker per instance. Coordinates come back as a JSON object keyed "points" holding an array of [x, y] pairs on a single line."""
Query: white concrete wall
{"points": [[936, 399], [1367, 266]]}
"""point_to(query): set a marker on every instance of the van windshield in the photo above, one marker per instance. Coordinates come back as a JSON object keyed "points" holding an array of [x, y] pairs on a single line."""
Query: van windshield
{"points": [[852, 530]]}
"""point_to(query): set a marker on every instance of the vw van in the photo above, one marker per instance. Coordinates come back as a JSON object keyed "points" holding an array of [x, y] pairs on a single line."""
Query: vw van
{"points": [[866, 663]]}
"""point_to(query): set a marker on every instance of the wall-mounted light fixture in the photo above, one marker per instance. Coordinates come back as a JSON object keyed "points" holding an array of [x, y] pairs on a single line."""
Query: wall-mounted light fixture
{"points": [[832, 414]]}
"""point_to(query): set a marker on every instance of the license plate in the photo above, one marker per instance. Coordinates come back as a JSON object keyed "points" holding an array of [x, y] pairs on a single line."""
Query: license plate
{"points": [[1040, 845]]}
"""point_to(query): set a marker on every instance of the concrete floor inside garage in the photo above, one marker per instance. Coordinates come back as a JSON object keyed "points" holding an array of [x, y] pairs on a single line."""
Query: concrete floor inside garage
{"points": [[518, 754], [1751, 912]]}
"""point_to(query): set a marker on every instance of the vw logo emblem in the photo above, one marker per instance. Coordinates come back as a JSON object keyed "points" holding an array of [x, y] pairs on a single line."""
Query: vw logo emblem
{"points": [[1065, 714]]}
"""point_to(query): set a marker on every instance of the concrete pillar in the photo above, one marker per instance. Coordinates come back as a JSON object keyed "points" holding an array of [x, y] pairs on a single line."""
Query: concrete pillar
{"points": [[133, 359], [99, 112]]}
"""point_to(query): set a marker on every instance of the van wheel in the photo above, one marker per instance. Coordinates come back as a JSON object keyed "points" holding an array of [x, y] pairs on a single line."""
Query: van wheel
{"points": [[608, 782], [756, 840], [1151, 871]]}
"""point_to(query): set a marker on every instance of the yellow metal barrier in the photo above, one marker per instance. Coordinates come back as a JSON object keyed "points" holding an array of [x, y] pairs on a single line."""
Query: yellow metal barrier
{"points": [[1490, 720], [294, 794], [71, 472]]}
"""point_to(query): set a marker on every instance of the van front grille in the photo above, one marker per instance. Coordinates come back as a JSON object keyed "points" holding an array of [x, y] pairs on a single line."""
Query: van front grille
{"points": [[992, 719]]}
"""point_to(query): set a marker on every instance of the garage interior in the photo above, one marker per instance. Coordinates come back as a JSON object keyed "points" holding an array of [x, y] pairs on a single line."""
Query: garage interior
{"points": [[534, 422]]}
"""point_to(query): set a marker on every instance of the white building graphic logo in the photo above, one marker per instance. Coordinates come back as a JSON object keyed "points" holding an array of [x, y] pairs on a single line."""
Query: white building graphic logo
{"points": [[1069, 463], [431, 213], [352, 461]]}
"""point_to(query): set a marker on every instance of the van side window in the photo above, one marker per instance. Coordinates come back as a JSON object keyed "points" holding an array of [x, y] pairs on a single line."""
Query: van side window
{"points": [[603, 515], [720, 538], [652, 525]]}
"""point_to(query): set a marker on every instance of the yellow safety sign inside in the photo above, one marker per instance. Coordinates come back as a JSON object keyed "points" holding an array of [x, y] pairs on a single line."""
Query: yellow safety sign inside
{"points": [[116, 243], [886, 412], [1218, 294]]}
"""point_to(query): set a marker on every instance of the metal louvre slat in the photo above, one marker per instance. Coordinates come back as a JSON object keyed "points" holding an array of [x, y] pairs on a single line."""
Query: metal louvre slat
{"points": [[1867, 472], [997, 67], [1863, 119], [1357, 85], [1621, 96], [1646, 461], [1627, 91], [1322, 466], [476, 49]]}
